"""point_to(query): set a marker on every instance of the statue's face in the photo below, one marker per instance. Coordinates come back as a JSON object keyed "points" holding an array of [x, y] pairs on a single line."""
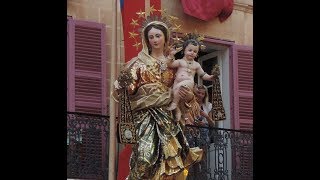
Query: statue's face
{"points": [[156, 38]]}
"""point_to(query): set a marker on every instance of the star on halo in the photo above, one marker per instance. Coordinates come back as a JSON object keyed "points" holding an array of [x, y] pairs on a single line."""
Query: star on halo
{"points": [[133, 35], [173, 17], [136, 45], [152, 9], [141, 13], [200, 38], [134, 23], [176, 27], [164, 11], [176, 39]]}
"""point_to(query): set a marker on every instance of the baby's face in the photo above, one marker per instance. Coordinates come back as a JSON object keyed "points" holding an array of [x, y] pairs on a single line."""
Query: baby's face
{"points": [[191, 51]]}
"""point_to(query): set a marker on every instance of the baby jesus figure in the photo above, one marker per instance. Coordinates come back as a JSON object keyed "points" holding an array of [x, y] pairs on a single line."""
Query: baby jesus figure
{"points": [[187, 67]]}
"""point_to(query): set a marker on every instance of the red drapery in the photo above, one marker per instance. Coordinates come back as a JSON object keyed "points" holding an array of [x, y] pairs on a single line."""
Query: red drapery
{"points": [[208, 9], [123, 163]]}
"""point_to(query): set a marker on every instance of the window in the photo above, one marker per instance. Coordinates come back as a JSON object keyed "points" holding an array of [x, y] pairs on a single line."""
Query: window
{"points": [[86, 67], [86, 93], [242, 75]]}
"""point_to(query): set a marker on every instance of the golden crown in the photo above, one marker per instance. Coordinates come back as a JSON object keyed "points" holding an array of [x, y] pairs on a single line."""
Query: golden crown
{"points": [[178, 42]]}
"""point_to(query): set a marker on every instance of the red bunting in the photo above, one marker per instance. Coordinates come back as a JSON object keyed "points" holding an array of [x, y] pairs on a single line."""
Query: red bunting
{"points": [[226, 11]]}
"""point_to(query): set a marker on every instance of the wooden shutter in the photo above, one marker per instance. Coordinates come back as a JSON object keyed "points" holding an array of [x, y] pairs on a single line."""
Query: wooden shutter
{"points": [[242, 87], [86, 67], [242, 78]]}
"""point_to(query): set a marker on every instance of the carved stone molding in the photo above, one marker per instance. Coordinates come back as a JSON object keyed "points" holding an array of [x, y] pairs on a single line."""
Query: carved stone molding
{"points": [[247, 8]]}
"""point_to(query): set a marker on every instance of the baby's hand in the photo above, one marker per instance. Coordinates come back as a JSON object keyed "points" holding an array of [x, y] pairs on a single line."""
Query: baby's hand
{"points": [[173, 51]]}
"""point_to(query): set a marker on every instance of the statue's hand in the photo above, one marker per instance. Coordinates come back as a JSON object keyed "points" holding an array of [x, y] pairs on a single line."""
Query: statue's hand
{"points": [[186, 93], [173, 51], [125, 78], [116, 85]]}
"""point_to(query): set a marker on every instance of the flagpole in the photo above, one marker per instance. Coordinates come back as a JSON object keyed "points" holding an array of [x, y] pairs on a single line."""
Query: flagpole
{"points": [[112, 130]]}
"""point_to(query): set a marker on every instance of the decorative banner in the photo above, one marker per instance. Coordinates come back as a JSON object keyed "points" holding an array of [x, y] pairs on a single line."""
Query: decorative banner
{"points": [[133, 13], [123, 163]]}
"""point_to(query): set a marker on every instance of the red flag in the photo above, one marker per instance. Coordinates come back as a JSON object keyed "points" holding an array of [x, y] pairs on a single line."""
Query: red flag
{"points": [[132, 22], [129, 16], [123, 163], [208, 9]]}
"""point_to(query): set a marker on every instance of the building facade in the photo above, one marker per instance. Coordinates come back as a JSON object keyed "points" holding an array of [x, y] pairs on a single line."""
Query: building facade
{"points": [[92, 72]]}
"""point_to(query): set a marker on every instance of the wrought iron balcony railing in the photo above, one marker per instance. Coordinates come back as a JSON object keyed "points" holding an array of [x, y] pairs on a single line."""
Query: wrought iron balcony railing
{"points": [[87, 146], [227, 153]]}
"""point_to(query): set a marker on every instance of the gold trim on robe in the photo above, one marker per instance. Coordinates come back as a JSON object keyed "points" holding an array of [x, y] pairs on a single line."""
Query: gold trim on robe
{"points": [[162, 151]]}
